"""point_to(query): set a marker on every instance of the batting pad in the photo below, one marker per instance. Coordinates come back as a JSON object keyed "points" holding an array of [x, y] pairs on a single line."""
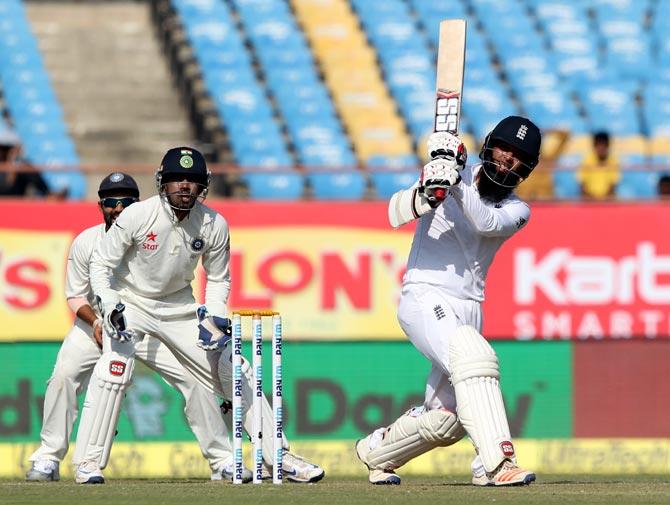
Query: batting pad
{"points": [[415, 432], [475, 376], [100, 415]]}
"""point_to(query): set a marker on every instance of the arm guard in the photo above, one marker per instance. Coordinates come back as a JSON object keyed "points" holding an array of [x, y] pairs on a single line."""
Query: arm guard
{"points": [[407, 205]]}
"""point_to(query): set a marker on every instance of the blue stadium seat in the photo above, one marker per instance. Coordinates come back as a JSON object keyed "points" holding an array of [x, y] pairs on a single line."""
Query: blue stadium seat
{"points": [[610, 105], [261, 10], [73, 182], [292, 78], [389, 182], [272, 159], [274, 186], [637, 185], [404, 162], [656, 109], [566, 186], [344, 185], [326, 156]]}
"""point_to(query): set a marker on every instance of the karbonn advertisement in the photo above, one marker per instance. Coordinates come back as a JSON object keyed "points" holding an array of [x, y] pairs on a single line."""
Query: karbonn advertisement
{"points": [[333, 270]]}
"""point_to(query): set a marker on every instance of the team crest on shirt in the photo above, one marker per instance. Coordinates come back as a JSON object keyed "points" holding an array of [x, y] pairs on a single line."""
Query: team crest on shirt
{"points": [[197, 244]]}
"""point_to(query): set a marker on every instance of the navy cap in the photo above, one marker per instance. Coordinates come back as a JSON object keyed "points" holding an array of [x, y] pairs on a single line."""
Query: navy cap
{"points": [[520, 133], [184, 162], [118, 181]]}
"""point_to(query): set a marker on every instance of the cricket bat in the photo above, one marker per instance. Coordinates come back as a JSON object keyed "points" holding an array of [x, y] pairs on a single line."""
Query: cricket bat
{"points": [[449, 82]]}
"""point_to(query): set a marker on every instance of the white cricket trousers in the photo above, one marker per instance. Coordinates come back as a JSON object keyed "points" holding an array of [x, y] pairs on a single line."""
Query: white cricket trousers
{"points": [[74, 364], [428, 316]]}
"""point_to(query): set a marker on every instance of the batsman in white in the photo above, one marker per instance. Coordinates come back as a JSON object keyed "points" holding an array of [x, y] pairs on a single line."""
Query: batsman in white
{"points": [[141, 273], [464, 216], [82, 348]]}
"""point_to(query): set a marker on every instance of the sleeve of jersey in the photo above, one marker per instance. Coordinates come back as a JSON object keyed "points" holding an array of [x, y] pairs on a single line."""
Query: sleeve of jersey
{"points": [[490, 221], [108, 254], [216, 263], [76, 274]]}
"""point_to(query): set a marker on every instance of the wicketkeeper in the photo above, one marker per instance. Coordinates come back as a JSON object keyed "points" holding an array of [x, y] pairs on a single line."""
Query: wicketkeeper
{"points": [[153, 249]]}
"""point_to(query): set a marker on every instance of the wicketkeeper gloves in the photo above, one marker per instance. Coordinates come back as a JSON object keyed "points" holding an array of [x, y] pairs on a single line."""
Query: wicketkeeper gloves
{"points": [[215, 332], [113, 321]]}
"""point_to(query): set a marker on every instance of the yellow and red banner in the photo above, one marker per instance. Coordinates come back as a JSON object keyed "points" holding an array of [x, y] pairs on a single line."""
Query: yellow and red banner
{"points": [[334, 269]]}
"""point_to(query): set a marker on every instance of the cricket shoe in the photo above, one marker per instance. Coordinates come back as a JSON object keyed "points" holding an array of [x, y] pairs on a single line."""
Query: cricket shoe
{"points": [[88, 472], [227, 470], [376, 476], [43, 470], [507, 474], [296, 469]]}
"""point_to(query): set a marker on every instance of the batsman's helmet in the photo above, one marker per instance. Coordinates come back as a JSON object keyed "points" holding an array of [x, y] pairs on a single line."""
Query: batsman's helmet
{"points": [[523, 136]]}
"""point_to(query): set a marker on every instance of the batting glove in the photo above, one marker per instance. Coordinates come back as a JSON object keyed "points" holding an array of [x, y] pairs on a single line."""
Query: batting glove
{"points": [[446, 145], [436, 178], [215, 332]]}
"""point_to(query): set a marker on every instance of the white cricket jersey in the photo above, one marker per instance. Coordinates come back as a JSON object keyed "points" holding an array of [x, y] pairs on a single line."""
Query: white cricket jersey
{"points": [[77, 284], [454, 244], [154, 257]]}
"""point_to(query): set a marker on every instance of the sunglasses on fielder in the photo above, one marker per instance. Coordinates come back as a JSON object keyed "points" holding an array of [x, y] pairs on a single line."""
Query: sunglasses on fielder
{"points": [[110, 202]]}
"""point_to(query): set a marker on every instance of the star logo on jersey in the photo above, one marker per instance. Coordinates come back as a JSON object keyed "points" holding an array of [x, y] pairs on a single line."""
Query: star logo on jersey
{"points": [[150, 244]]}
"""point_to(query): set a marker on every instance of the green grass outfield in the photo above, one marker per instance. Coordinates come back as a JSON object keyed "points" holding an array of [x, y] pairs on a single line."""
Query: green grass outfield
{"points": [[550, 489]]}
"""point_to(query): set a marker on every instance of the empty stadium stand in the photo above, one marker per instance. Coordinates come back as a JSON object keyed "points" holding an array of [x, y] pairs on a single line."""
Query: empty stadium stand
{"points": [[32, 106], [334, 98]]}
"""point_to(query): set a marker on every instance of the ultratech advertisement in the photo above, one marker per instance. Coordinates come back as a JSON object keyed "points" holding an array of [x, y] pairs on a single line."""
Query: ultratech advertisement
{"points": [[333, 270], [333, 391]]}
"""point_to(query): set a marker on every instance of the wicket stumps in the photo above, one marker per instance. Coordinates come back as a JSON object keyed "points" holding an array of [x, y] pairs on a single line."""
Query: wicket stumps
{"points": [[257, 405]]}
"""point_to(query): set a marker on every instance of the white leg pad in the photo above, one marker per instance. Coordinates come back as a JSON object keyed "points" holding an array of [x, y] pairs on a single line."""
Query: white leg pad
{"points": [[475, 376], [100, 415], [415, 432]]}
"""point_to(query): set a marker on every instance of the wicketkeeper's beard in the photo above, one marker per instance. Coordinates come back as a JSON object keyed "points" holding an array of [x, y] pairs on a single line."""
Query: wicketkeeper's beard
{"points": [[183, 199], [109, 219], [490, 190]]}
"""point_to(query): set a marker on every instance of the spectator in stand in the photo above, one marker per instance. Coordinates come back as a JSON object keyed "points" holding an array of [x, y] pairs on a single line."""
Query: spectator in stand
{"points": [[599, 173], [18, 183], [664, 187]]}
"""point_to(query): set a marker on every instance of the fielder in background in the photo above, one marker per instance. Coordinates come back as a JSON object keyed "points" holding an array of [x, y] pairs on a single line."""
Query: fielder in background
{"points": [[82, 348], [152, 249], [440, 311]]}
